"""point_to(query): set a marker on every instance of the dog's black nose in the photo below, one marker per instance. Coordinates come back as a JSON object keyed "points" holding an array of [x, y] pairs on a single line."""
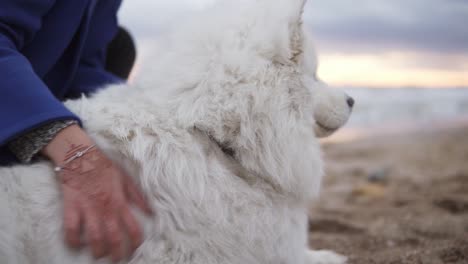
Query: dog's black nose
{"points": [[350, 102]]}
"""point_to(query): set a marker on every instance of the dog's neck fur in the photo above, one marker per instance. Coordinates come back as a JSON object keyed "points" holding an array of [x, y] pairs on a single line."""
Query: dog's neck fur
{"points": [[227, 150]]}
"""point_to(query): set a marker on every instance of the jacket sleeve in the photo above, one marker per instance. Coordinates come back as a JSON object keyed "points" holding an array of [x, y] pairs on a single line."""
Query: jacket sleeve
{"points": [[91, 73], [25, 101]]}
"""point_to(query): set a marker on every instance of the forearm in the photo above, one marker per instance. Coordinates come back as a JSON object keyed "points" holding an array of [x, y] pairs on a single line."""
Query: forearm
{"points": [[70, 138]]}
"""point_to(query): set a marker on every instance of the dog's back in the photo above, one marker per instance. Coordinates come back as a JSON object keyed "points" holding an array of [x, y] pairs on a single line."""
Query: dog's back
{"points": [[209, 210]]}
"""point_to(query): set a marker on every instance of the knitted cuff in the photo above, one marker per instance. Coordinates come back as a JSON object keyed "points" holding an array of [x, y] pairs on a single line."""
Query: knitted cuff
{"points": [[28, 145]]}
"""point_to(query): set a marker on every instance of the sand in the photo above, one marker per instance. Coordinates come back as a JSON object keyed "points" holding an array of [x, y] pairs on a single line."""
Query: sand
{"points": [[396, 198]]}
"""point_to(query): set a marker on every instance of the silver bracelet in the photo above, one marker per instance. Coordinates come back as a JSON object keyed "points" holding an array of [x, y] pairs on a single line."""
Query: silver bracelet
{"points": [[78, 154]]}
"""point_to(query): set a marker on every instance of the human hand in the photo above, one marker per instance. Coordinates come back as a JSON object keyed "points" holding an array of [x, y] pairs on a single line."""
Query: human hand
{"points": [[97, 197]]}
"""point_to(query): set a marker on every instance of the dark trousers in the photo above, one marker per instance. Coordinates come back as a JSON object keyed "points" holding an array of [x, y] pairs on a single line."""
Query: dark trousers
{"points": [[121, 54]]}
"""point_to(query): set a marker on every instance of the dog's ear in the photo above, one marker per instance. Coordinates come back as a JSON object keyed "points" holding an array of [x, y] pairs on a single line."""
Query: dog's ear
{"points": [[286, 29], [296, 35]]}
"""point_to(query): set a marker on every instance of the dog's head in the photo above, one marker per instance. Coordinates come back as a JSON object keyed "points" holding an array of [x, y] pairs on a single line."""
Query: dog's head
{"points": [[331, 107], [248, 58], [245, 73]]}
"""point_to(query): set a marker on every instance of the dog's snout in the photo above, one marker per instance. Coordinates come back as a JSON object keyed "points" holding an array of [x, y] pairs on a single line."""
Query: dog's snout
{"points": [[350, 101]]}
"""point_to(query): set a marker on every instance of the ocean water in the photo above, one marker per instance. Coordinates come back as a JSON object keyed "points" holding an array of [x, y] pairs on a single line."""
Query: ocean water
{"points": [[381, 107]]}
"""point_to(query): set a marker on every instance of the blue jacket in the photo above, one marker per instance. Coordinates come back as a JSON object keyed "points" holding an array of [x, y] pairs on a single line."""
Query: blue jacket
{"points": [[50, 50]]}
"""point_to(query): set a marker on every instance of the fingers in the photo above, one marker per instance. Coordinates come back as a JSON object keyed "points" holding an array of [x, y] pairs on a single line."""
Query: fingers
{"points": [[72, 225], [101, 210], [94, 234], [133, 229], [111, 236], [135, 196], [115, 239]]}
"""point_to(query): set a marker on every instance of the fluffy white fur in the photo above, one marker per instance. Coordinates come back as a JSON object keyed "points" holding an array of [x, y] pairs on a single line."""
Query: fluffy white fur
{"points": [[241, 76]]}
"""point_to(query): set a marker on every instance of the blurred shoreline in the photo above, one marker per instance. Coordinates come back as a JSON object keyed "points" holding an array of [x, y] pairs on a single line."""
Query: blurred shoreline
{"points": [[348, 134]]}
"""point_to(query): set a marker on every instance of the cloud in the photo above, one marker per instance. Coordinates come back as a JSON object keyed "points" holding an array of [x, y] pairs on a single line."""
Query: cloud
{"points": [[148, 18], [340, 25], [398, 41], [436, 26]]}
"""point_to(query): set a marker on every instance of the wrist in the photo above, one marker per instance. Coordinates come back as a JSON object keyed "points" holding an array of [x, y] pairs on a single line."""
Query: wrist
{"points": [[64, 142]]}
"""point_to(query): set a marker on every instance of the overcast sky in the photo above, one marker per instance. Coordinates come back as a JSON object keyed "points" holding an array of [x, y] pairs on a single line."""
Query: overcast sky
{"points": [[430, 34]]}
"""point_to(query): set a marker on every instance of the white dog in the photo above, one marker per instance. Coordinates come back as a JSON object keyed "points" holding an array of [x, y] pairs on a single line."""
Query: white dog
{"points": [[221, 135]]}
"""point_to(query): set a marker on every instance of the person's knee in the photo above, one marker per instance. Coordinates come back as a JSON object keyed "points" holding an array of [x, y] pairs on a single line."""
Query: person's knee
{"points": [[121, 54]]}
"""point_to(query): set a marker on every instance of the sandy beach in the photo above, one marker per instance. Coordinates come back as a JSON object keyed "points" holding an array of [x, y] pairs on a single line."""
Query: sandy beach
{"points": [[396, 198]]}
